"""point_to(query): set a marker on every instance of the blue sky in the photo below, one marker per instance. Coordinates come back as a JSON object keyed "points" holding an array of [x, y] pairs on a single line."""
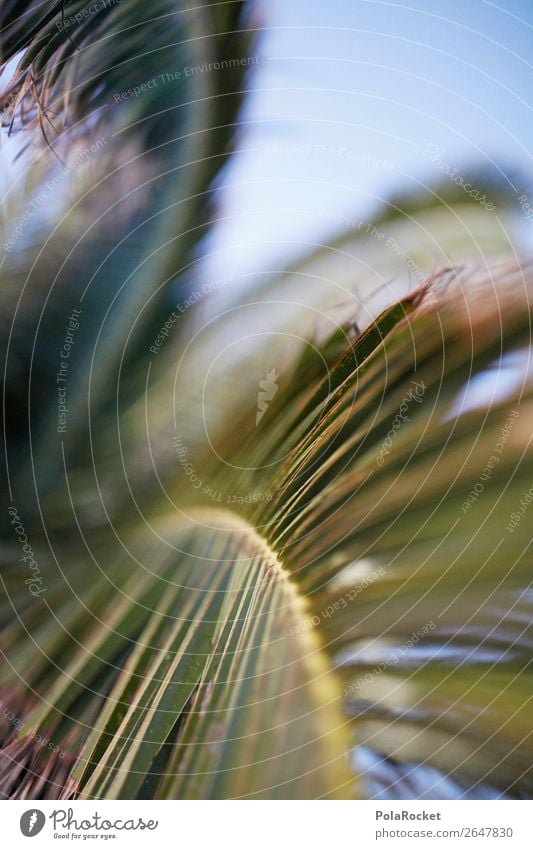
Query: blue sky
{"points": [[346, 98]]}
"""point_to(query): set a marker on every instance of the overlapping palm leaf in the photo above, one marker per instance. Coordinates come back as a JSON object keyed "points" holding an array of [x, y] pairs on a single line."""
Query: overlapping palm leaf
{"points": [[233, 604]]}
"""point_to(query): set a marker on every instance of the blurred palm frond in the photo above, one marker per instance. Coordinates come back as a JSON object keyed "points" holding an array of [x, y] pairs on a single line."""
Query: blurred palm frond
{"points": [[291, 547]]}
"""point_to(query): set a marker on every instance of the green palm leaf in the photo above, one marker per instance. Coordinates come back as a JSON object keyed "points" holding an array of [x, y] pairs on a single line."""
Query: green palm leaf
{"points": [[333, 567], [179, 676], [133, 109]]}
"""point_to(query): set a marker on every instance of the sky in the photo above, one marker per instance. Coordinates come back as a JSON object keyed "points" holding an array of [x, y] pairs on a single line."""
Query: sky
{"points": [[353, 100]]}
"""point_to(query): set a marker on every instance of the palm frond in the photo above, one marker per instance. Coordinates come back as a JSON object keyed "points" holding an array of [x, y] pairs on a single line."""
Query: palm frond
{"points": [[177, 675], [236, 537], [392, 511], [143, 101]]}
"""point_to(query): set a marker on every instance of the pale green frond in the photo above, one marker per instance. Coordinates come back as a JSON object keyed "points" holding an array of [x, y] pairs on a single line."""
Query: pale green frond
{"points": [[144, 101], [394, 480], [181, 675]]}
